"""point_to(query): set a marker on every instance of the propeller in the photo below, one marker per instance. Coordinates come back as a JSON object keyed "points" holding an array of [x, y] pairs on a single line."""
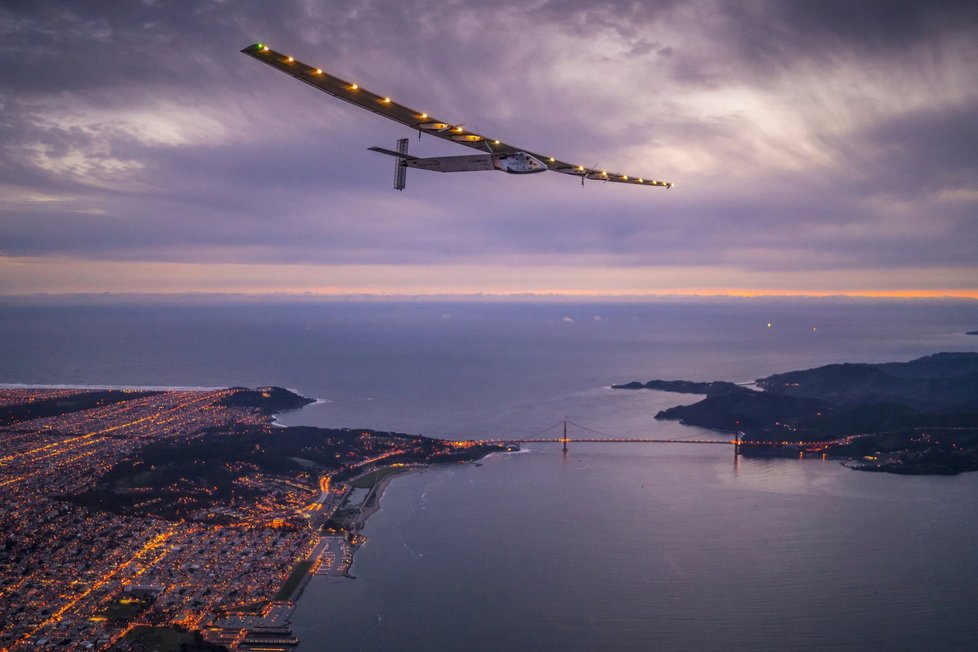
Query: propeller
{"points": [[587, 172], [485, 141]]}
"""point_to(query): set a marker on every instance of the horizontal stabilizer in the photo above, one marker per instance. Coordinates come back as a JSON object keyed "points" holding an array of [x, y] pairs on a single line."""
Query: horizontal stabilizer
{"points": [[391, 152]]}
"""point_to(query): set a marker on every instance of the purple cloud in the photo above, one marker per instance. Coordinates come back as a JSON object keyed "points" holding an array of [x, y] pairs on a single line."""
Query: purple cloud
{"points": [[813, 136]]}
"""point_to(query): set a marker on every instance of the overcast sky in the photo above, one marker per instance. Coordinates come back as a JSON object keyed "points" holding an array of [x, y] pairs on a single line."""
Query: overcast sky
{"points": [[822, 146]]}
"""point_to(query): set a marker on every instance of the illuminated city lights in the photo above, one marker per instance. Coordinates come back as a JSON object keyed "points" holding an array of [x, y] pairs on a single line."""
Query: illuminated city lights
{"points": [[206, 555]]}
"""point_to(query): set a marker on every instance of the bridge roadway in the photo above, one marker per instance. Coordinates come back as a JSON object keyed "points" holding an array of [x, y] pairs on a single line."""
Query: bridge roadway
{"points": [[606, 440], [736, 442], [597, 437]]}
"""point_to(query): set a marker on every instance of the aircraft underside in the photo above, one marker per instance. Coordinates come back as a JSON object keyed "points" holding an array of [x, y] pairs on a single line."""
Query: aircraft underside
{"points": [[512, 163]]}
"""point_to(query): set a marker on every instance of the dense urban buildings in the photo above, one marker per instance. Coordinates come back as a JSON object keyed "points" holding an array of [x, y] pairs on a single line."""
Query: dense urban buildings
{"points": [[128, 514]]}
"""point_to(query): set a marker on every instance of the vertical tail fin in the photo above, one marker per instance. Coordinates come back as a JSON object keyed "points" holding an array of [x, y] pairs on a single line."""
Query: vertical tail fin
{"points": [[400, 165]]}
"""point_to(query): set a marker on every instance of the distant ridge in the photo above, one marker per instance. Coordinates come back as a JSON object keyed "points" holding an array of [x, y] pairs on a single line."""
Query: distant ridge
{"points": [[927, 404]]}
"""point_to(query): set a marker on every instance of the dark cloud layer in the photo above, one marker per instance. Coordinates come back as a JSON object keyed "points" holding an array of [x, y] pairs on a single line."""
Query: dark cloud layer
{"points": [[802, 135]]}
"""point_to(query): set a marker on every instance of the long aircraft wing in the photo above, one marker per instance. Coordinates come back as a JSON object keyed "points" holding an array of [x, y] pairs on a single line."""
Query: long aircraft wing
{"points": [[385, 106]]}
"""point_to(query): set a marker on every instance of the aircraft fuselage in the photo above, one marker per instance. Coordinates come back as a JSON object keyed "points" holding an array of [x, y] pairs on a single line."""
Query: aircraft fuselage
{"points": [[514, 163], [519, 163]]}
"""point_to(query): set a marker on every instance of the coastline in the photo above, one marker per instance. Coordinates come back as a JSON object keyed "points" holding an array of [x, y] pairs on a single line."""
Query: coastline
{"points": [[371, 505], [121, 388], [333, 537], [295, 525], [332, 553], [909, 418]]}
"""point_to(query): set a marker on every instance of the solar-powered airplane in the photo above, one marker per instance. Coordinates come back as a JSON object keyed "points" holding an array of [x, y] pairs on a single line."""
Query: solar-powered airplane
{"points": [[496, 155]]}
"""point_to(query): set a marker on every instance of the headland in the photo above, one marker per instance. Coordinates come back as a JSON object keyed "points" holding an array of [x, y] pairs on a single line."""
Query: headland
{"points": [[180, 519], [916, 417]]}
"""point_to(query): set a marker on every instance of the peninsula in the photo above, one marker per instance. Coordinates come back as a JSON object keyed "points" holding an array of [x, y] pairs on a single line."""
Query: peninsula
{"points": [[917, 417], [179, 520]]}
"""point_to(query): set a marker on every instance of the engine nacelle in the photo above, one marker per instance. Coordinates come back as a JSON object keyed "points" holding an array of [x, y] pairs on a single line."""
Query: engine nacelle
{"points": [[519, 163]]}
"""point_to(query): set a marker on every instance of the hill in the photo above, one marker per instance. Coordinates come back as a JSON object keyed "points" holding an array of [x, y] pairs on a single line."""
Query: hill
{"points": [[917, 416]]}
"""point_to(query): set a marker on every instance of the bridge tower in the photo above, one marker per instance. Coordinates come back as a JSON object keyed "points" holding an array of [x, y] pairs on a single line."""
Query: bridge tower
{"points": [[564, 438], [737, 443]]}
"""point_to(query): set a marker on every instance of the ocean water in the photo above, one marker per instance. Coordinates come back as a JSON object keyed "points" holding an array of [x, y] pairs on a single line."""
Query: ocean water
{"points": [[466, 369], [613, 546]]}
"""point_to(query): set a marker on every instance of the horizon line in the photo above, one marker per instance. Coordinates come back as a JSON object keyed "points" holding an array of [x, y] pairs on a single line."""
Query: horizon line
{"points": [[555, 295]]}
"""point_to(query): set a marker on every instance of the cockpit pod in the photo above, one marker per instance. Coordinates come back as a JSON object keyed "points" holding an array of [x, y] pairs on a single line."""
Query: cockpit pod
{"points": [[519, 163]]}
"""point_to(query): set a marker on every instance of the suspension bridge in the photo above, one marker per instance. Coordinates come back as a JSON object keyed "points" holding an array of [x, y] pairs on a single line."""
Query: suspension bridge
{"points": [[558, 434]]}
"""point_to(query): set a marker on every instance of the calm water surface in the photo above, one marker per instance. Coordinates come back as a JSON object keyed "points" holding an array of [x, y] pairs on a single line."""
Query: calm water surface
{"points": [[611, 547], [636, 547]]}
